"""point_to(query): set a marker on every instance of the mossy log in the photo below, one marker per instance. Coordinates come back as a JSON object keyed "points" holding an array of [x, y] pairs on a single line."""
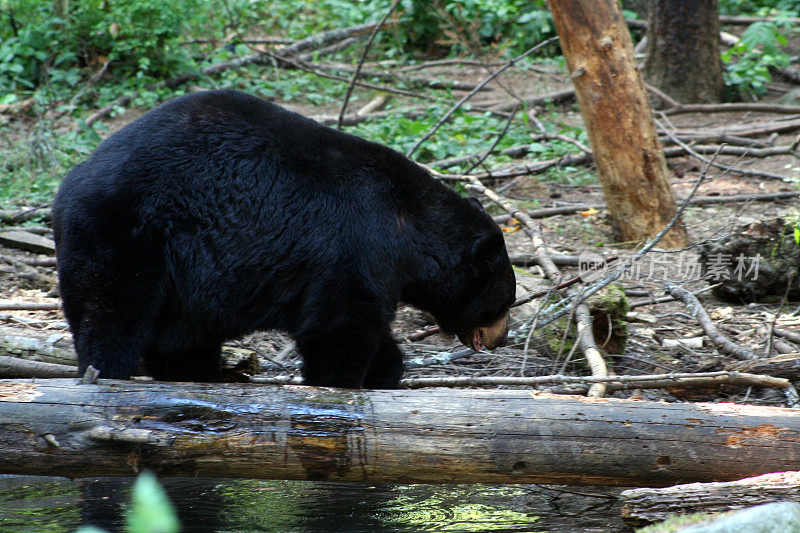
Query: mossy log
{"points": [[58, 427], [755, 261]]}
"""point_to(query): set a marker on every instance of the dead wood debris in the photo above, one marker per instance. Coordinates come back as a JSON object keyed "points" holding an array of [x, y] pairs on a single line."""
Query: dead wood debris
{"points": [[699, 313], [655, 504]]}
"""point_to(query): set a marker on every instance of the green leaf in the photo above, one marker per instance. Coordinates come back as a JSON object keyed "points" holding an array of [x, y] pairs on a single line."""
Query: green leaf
{"points": [[151, 511]]}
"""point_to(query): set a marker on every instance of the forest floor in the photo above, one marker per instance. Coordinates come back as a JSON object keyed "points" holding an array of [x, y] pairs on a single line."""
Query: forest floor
{"points": [[646, 351]]}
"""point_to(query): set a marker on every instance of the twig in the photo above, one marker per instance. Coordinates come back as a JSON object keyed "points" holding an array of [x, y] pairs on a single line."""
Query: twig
{"points": [[699, 314], [373, 105], [330, 49], [789, 335], [92, 80], [678, 108], [352, 83], [331, 36], [750, 130], [456, 85], [446, 62], [538, 100], [727, 168], [665, 97], [28, 306], [472, 93], [495, 143], [646, 381]]}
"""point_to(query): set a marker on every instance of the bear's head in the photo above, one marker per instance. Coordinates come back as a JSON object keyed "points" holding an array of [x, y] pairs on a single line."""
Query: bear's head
{"points": [[466, 281], [480, 319]]}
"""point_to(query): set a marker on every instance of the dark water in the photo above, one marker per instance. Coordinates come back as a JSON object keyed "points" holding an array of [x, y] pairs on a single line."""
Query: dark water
{"points": [[42, 504]]}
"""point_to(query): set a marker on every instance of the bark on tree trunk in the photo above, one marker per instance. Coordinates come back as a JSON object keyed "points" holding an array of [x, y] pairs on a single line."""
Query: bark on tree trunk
{"points": [[57, 427], [683, 57], [614, 105]]}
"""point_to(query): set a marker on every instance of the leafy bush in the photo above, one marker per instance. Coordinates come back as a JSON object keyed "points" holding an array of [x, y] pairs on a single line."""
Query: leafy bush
{"points": [[38, 47], [759, 49], [520, 23]]}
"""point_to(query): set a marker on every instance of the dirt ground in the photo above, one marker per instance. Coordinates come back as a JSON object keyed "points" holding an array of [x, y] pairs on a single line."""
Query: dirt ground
{"points": [[649, 326]]}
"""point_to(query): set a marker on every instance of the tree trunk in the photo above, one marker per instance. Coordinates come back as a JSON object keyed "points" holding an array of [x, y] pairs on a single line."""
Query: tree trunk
{"points": [[683, 50], [611, 95], [57, 427]]}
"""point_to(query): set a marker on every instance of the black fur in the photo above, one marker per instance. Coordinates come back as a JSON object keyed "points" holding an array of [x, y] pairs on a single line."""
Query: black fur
{"points": [[218, 214]]}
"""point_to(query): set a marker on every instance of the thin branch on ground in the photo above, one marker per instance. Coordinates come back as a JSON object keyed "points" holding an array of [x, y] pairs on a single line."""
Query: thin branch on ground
{"points": [[456, 85], [699, 313], [558, 97], [495, 143], [363, 58], [29, 306], [645, 381], [15, 367], [707, 161], [678, 108], [472, 93]]}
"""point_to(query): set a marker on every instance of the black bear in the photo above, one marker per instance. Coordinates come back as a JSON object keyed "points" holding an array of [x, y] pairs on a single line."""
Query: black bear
{"points": [[218, 214]]}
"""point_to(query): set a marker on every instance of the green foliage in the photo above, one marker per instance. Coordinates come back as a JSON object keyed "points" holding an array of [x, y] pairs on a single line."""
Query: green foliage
{"points": [[744, 7], [49, 55], [141, 38], [793, 221], [759, 49], [151, 510], [32, 164], [517, 23], [464, 133]]}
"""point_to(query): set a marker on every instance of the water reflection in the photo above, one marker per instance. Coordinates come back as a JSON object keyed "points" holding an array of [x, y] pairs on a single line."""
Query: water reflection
{"points": [[54, 504]]}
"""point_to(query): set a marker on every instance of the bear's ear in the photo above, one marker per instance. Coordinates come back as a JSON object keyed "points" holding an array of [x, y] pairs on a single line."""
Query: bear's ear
{"points": [[486, 247]]}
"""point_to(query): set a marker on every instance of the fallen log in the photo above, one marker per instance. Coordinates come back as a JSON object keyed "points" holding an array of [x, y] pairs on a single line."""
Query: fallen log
{"points": [[57, 427], [31, 242], [36, 345], [14, 367], [653, 505]]}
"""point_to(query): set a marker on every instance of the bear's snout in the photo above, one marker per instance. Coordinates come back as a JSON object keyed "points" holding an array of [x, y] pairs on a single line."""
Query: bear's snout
{"points": [[495, 335]]}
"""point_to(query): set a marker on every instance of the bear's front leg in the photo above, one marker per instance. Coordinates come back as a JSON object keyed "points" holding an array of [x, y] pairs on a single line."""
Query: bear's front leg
{"points": [[386, 367], [336, 360]]}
